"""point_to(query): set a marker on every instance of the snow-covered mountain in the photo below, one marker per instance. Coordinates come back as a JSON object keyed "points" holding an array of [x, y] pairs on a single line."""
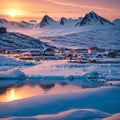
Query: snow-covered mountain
{"points": [[14, 24], [78, 21], [63, 20], [93, 19], [46, 20], [117, 22], [50, 27], [12, 41]]}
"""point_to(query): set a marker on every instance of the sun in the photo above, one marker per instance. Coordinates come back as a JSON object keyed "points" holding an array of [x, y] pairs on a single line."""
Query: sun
{"points": [[13, 13]]}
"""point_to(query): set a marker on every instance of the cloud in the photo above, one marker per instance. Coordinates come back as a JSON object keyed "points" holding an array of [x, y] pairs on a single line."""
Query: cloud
{"points": [[78, 4]]}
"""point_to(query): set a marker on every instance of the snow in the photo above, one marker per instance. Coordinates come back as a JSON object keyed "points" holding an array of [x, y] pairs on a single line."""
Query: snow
{"points": [[12, 41], [86, 75], [10, 68], [100, 99], [117, 22], [14, 74], [14, 24], [113, 117], [105, 38], [49, 27], [9, 61], [71, 35], [70, 114], [63, 68], [89, 103], [55, 29], [93, 19]]}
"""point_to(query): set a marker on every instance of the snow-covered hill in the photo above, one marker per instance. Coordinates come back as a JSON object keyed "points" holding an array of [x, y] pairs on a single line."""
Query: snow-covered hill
{"points": [[12, 41], [99, 38]]}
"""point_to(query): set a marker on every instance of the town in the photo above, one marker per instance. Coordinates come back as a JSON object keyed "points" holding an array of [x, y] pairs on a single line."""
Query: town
{"points": [[91, 55]]}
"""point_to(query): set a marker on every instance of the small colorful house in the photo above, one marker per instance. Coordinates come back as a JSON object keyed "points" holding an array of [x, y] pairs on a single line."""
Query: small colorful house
{"points": [[92, 50], [5, 51]]}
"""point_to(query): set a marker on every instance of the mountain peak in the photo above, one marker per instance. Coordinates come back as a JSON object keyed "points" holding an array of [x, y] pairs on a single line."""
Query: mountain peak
{"points": [[46, 17], [92, 12], [63, 20], [46, 21], [92, 18], [117, 22]]}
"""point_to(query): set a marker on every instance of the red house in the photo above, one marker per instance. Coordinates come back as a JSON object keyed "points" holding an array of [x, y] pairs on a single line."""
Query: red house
{"points": [[91, 50], [5, 51]]}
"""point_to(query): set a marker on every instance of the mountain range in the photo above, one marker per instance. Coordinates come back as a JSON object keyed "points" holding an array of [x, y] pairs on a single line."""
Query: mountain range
{"points": [[14, 24], [90, 19], [86, 31]]}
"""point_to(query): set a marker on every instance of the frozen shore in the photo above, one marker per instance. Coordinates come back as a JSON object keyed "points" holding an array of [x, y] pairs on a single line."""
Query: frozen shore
{"points": [[104, 99]]}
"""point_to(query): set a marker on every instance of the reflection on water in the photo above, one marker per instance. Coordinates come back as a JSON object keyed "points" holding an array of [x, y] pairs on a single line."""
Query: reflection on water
{"points": [[26, 91], [12, 96]]}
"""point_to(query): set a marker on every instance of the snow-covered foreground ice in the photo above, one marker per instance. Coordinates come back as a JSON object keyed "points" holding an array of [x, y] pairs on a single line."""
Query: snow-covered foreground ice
{"points": [[61, 68], [12, 74], [8, 61], [10, 68], [87, 104], [101, 102], [52, 71], [75, 114]]}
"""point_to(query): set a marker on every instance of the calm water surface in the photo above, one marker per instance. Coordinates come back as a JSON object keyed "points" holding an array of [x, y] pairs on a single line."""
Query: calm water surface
{"points": [[26, 91]]}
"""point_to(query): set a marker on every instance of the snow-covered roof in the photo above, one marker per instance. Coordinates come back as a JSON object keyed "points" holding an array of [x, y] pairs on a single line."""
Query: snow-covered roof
{"points": [[28, 49]]}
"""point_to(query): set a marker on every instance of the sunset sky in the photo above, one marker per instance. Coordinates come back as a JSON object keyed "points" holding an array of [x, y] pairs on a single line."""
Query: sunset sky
{"points": [[36, 9]]}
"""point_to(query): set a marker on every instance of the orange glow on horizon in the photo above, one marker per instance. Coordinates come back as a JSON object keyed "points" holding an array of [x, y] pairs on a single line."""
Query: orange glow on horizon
{"points": [[14, 12], [36, 9]]}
